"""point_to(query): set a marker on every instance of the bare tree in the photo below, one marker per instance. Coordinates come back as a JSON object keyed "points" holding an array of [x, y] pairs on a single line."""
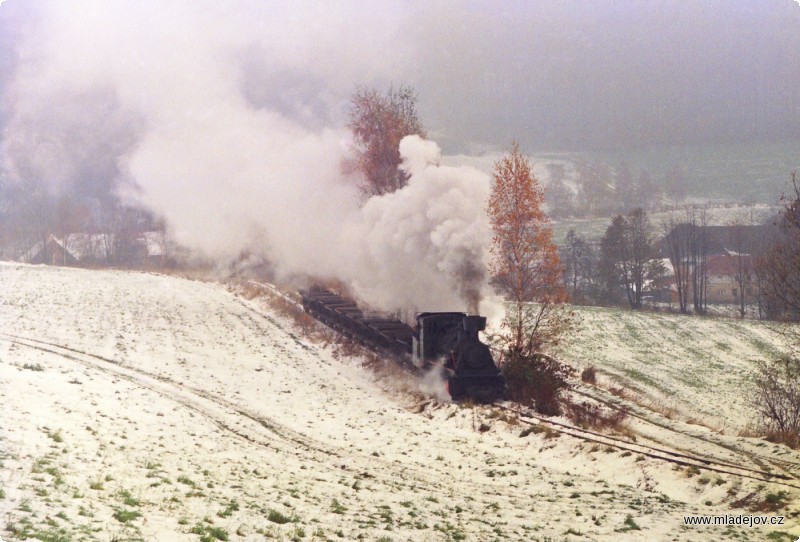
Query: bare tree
{"points": [[778, 379], [743, 265], [777, 398], [687, 247], [698, 252], [676, 252], [778, 267]]}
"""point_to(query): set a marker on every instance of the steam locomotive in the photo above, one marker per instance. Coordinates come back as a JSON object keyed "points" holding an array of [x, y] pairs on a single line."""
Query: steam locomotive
{"points": [[446, 341]]}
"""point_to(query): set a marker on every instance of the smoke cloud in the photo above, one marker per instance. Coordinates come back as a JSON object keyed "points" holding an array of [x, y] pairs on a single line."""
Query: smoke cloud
{"points": [[431, 237], [225, 118]]}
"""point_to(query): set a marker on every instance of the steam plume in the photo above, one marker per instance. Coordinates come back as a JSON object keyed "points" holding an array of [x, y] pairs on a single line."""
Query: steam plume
{"points": [[213, 114]]}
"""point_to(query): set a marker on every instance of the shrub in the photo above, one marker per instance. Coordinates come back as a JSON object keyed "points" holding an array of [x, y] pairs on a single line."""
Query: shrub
{"points": [[589, 375], [538, 380], [777, 398], [589, 415]]}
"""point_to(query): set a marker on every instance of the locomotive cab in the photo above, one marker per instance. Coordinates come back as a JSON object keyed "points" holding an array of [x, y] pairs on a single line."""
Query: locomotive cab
{"points": [[469, 368]]}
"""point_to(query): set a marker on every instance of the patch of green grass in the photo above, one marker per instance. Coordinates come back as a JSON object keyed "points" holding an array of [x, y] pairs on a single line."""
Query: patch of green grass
{"points": [[125, 516], [128, 499], [337, 507], [639, 376], [775, 501], [629, 525], [276, 517], [781, 536], [186, 481], [232, 507], [52, 535], [209, 533]]}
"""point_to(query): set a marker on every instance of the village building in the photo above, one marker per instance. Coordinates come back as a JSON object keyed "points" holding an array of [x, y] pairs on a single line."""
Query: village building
{"points": [[145, 250], [729, 252]]}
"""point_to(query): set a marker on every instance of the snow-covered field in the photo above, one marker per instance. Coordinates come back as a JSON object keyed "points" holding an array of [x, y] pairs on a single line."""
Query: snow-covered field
{"points": [[144, 407], [700, 367]]}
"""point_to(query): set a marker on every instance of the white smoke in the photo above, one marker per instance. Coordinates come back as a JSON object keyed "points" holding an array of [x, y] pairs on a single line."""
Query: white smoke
{"points": [[225, 118], [424, 236], [433, 383]]}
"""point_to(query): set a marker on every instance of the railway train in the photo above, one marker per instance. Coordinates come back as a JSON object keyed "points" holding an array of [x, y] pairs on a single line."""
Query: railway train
{"points": [[446, 338]]}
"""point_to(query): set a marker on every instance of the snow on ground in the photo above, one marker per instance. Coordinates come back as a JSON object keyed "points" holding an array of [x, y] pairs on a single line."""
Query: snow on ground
{"points": [[143, 407], [701, 367]]}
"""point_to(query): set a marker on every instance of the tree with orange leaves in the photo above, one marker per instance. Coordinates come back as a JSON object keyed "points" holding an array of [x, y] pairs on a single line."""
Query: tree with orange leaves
{"points": [[526, 269], [378, 123]]}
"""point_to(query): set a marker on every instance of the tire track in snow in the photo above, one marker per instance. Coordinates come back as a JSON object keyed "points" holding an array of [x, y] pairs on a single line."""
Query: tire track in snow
{"points": [[227, 413], [192, 398]]}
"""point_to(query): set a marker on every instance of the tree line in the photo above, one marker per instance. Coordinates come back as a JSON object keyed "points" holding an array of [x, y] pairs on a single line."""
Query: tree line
{"points": [[669, 263]]}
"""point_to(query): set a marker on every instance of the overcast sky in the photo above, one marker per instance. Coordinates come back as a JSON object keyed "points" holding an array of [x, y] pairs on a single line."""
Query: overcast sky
{"points": [[556, 75]]}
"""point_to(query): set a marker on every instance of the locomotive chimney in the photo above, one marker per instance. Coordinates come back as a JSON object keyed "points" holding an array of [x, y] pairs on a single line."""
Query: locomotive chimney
{"points": [[474, 324]]}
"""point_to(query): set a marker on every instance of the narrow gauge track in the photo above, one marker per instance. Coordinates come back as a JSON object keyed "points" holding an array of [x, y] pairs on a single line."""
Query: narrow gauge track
{"points": [[338, 315], [678, 458], [783, 464], [137, 377]]}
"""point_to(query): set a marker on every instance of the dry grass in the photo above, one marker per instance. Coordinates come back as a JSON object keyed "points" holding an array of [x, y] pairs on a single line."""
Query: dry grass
{"points": [[659, 406], [620, 392], [504, 416], [668, 411], [789, 438], [249, 291], [592, 416]]}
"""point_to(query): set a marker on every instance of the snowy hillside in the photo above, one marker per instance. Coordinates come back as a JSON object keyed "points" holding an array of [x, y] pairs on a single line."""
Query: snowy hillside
{"points": [[143, 407], [701, 367]]}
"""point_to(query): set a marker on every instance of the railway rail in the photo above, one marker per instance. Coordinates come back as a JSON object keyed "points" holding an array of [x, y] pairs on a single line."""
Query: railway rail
{"points": [[653, 452]]}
